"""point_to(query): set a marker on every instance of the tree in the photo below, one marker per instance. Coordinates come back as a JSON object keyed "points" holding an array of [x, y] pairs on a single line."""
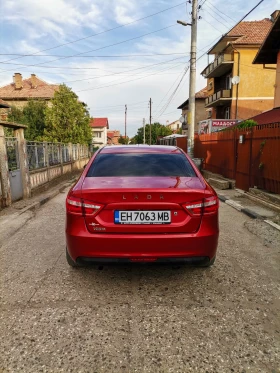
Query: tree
{"points": [[32, 115], [157, 130], [123, 140], [67, 120], [35, 117], [16, 115]]}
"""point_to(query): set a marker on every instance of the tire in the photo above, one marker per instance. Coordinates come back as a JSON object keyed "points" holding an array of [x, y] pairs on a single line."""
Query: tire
{"points": [[70, 261], [208, 264]]}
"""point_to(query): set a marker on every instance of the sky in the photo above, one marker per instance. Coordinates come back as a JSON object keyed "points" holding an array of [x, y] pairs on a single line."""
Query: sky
{"points": [[114, 53]]}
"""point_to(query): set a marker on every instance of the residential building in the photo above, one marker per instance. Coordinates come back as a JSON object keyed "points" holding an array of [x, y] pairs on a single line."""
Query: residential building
{"points": [[237, 89], [200, 112], [113, 137], [269, 53], [174, 126], [21, 91], [99, 128]]}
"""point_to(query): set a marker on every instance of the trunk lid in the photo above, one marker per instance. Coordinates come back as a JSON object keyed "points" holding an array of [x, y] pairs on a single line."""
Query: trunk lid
{"points": [[153, 195]]}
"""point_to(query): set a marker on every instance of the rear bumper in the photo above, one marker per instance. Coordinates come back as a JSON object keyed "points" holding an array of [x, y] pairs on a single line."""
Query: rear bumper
{"points": [[179, 260], [87, 247]]}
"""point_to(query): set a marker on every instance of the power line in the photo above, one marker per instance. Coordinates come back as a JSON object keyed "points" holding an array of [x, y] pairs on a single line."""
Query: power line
{"points": [[121, 105], [173, 93], [105, 31], [170, 89], [213, 6], [212, 25], [127, 71], [216, 19], [128, 81], [209, 10], [67, 67], [246, 15], [105, 56], [107, 46]]}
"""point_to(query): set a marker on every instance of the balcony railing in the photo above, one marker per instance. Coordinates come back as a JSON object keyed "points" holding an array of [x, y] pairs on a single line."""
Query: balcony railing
{"points": [[221, 65], [213, 100]]}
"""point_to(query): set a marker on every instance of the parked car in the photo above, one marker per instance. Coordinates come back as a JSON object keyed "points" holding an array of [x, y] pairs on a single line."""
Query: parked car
{"points": [[140, 203]]}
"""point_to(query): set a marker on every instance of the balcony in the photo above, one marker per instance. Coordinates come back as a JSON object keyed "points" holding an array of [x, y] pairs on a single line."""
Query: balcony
{"points": [[221, 97], [220, 66]]}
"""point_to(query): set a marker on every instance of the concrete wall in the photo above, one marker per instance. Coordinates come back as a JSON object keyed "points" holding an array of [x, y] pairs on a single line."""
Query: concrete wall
{"points": [[36, 175], [45, 175]]}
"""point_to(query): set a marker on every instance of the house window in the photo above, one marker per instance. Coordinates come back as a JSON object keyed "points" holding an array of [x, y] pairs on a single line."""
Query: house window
{"points": [[98, 134], [227, 112], [228, 82]]}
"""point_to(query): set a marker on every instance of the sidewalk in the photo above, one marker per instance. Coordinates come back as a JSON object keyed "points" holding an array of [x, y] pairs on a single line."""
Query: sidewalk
{"points": [[255, 209], [14, 217]]}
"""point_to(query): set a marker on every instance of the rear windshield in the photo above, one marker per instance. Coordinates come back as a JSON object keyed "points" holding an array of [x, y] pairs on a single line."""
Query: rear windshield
{"points": [[139, 164]]}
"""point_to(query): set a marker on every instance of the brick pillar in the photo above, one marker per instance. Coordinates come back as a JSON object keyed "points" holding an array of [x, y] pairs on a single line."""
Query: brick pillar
{"points": [[6, 199], [23, 162], [277, 83]]}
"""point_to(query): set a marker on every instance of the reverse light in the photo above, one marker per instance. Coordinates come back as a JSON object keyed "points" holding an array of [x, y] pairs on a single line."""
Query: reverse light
{"points": [[206, 206], [82, 207]]}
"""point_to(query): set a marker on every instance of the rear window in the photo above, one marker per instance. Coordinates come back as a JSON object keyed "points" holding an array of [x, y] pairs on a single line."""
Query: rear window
{"points": [[139, 164]]}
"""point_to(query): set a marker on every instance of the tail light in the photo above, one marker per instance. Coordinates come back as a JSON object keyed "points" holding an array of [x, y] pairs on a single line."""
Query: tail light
{"points": [[80, 206], [206, 206]]}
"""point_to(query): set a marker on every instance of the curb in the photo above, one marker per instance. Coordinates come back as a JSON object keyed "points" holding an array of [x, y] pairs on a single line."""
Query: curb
{"points": [[35, 206], [247, 211], [238, 207]]}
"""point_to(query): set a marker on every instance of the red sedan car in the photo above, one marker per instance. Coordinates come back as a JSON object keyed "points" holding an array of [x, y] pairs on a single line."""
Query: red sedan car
{"points": [[140, 203]]}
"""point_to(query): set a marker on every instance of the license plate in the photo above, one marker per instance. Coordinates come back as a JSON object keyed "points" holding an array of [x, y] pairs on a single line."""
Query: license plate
{"points": [[142, 217]]}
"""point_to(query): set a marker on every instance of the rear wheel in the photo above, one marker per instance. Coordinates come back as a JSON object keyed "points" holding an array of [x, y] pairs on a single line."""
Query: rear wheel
{"points": [[70, 261]]}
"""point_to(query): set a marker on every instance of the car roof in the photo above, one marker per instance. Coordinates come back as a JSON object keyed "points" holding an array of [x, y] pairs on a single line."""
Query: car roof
{"points": [[117, 149]]}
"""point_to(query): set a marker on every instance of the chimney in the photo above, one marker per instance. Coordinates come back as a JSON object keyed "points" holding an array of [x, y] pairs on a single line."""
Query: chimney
{"points": [[33, 81], [17, 81], [274, 15]]}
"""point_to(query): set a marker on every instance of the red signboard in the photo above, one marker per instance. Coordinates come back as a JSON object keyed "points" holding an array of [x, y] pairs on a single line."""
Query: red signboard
{"points": [[223, 122]]}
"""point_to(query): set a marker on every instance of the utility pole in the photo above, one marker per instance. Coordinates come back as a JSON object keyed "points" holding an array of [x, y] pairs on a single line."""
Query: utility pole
{"points": [[144, 125], [191, 119], [150, 121], [125, 123]]}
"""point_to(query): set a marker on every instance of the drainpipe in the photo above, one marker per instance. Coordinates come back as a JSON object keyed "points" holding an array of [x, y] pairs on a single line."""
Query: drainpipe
{"points": [[238, 72]]}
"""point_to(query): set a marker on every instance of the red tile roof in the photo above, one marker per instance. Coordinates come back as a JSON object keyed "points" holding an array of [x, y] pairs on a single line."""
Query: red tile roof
{"points": [[99, 122], [251, 32], [268, 117], [110, 134], [42, 90], [200, 94]]}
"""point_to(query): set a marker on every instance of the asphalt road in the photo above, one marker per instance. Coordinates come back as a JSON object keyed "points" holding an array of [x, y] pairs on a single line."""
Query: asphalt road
{"points": [[140, 318]]}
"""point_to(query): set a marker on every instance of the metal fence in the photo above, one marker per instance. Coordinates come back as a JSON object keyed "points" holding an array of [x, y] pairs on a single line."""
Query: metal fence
{"points": [[44, 154], [250, 156]]}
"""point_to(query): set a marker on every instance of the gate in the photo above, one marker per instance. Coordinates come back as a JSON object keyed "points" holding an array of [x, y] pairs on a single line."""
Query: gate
{"points": [[243, 154], [14, 168]]}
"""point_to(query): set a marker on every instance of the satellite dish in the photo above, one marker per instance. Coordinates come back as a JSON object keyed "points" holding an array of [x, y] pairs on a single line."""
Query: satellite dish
{"points": [[182, 119], [235, 80]]}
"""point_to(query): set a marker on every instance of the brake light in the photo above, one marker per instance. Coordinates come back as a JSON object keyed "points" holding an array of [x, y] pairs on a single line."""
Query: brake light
{"points": [[80, 206], [211, 204], [206, 206], [195, 208]]}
